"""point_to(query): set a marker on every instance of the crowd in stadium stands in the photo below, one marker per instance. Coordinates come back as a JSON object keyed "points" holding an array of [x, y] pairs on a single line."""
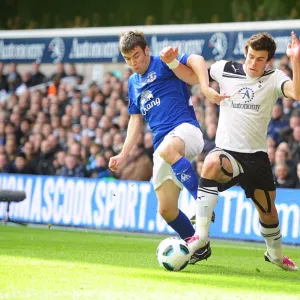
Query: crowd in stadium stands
{"points": [[60, 125], [237, 11]]}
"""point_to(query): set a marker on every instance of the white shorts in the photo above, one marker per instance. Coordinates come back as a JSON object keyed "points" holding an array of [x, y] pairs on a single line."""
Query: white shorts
{"points": [[193, 139]]}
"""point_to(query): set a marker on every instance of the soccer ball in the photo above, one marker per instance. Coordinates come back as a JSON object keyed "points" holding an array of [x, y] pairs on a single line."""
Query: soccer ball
{"points": [[173, 254]]}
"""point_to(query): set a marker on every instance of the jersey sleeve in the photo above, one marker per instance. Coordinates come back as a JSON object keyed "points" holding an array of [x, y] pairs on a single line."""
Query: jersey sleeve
{"points": [[132, 108], [216, 70], [281, 79], [183, 58]]}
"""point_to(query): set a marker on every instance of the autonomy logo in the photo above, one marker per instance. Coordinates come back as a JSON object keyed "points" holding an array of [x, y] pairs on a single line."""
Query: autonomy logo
{"points": [[218, 42], [248, 94], [57, 47]]}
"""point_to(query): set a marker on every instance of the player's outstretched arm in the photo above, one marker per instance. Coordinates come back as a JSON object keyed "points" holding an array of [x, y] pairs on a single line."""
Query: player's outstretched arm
{"points": [[197, 63], [292, 88], [168, 55], [134, 129]]}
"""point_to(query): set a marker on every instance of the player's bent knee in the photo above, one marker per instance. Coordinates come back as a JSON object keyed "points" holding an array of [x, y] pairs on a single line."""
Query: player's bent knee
{"points": [[168, 214], [170, 149], [166, 152], [211, 168], [269, 218]]}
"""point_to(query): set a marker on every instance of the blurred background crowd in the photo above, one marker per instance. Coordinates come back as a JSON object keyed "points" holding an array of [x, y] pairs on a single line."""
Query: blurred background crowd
{"points": [[59, 124], [28, 14]]}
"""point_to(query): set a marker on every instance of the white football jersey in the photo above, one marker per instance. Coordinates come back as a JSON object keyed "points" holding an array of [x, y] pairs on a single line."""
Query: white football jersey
{"points": [[245, 116]]}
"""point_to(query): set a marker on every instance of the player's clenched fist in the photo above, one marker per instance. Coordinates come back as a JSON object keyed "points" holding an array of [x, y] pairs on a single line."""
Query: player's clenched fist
{"points": [[115, 162], [168, 54]]}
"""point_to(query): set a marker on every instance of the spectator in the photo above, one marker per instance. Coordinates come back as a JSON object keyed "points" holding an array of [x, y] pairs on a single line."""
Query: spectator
{"points": [[91, 127], [281, 157], [101, 169], [46, 130], [3, 163], [66, 121], [108, 153], [31, 157], [96, 111], [71, 75], [2, 134], [54, 110], [84, 121], [107, 142], [271, 142], [53, 87], [3, 80], [59, 73], [294, 144], [287, 131], [76, 113], [287, 104], [118, 141], [72, 167], [11, 149], [26, 83], [36, 139], [86, 141], [105, 123], [99, 132], [271, 155], [37, 76], [283, 180], [59, 161], [209, 138], [114, 129], [100, 99], [55, 124], [94, 150], [75, 149], [14, 79], [45, 160], [54, 143], [19, 165], [277, 122]]}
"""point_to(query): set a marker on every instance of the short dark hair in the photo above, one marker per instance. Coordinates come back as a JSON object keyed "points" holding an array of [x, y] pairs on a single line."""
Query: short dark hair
{"points": [[129, 40], [262, 42]]}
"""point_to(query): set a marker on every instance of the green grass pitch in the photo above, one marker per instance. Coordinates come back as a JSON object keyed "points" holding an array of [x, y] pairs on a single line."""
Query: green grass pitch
{"points": [[40, 263]]}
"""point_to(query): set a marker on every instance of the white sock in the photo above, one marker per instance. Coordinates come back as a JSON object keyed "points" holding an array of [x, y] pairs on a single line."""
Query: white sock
{"points": [[207, 199], [272, 236]]}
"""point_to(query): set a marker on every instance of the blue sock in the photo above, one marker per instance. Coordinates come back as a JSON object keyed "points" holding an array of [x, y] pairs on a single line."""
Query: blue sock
{"points": [[186, 175], [182, 225]]}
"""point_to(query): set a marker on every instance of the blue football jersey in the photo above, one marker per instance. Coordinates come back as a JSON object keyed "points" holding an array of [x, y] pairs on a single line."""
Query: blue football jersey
{"points": [[162, 98]]}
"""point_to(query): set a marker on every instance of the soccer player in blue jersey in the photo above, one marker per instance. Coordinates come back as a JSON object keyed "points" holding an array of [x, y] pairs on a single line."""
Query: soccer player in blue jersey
{"points": [[163, 101]]}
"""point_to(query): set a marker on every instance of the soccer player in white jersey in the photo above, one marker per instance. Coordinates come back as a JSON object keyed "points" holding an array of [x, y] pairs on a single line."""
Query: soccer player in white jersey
{"points": [[240, 155], [163, 101]]}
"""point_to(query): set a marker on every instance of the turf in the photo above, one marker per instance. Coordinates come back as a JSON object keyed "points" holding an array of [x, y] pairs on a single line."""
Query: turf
{"points": [[38, 263]]}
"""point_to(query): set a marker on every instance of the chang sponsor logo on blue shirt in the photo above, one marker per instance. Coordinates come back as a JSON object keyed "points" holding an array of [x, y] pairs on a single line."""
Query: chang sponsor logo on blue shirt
{"points": [[148, 101]]}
